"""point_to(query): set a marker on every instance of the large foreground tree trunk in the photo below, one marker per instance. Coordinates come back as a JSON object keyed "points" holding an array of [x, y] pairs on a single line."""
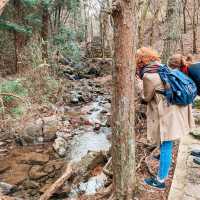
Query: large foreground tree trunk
{"points": [[3, 5], [123, 141], [173, 32]]}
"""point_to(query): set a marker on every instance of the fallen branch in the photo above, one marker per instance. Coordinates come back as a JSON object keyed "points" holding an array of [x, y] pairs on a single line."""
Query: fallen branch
{"points": [[105, 169], [55, 186]]}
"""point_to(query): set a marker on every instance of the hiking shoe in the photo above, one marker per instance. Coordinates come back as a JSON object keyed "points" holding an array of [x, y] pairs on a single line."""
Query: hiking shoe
{"points": [[196, 160], [153, 182], [195, 153]]}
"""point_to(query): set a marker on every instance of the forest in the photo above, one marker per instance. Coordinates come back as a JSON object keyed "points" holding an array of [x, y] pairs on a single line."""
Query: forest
{"points": [[73, 124]]}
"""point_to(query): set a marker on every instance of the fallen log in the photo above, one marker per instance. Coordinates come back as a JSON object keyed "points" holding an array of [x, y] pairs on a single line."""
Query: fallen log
{"points": [[59, 183]]}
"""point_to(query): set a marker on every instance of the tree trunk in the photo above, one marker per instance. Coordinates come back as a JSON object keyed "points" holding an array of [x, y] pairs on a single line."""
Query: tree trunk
{"points": [[44, 32], [3, 5], [141, 23], [154, 21], [184, 2], [18, 38], [194, 25], [123, 141], [173, 33]]}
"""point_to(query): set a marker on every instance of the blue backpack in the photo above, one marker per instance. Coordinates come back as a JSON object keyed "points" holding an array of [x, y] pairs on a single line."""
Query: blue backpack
{"points": [[179, 88]]}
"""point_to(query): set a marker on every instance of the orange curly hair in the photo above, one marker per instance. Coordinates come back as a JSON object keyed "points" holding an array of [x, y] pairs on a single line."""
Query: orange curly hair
{"points": [[145, 55]]}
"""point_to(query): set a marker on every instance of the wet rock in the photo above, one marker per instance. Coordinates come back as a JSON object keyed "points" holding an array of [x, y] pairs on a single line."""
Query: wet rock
{"points": [[36, 172], [6, 188], [60, 146], [34, 158]]}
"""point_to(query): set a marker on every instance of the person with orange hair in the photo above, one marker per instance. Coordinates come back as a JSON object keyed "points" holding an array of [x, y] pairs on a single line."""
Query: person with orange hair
{"points": [[165, 122]]}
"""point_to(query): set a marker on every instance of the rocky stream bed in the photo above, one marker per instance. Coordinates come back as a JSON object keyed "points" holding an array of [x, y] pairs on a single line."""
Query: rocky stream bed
{"points": [[35, 153]]}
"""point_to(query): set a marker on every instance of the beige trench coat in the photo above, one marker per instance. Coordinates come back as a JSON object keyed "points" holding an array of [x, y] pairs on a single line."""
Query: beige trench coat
{"points": [[164, 122]]}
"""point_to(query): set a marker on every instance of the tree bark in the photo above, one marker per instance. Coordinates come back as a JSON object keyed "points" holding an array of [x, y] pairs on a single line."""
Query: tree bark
{"points": [[44, 32], [141, 23], [173, 32], [123, 139], [18, 37], [184, 3], [154, 21], [3, 5]]}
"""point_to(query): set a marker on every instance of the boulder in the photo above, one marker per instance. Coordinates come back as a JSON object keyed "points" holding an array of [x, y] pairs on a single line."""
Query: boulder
{"points": [[32, 131], [36, 172]]}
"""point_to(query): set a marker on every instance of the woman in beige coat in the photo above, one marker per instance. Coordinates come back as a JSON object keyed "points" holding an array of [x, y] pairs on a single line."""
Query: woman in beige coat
{"points": [[165, 123]]}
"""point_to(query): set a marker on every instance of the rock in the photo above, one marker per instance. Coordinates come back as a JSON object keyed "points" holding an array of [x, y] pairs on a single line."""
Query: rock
{"points": [[50, 128], [196, 114], [32, 131], [34, 158], [16, 175], [36, 172], [60, 146], [4, 167], [6, 188], [49, 168], [31, 184], [91, 160], [97, 127], [94, 71], [196, 133]]}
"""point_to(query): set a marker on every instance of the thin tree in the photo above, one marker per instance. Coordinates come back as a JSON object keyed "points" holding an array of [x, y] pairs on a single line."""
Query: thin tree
{"points": [[123, 141], [173, 30], [44, 31]]}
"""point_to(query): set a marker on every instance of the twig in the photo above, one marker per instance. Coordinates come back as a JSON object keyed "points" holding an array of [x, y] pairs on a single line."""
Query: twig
{"points": [[55, 186], [140, 162], [105, 171]]}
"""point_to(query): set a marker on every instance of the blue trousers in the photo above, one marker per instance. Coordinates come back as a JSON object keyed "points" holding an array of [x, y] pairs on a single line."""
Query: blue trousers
{"points": [[165, 159]]}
